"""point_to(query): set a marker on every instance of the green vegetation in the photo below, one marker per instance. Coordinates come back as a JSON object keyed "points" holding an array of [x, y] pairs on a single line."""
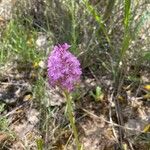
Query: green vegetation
{"points": [[111, 40]]}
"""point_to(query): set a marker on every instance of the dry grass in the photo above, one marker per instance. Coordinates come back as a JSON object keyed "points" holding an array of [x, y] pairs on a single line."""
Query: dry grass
{"points": [[111, 40]]}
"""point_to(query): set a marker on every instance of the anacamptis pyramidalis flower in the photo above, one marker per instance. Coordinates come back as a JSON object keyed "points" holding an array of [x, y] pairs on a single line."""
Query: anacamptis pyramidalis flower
{"points": [[63, 68]]}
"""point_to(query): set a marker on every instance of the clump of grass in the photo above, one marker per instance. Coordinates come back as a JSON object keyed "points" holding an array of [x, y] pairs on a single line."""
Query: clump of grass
{"points": [[3, 120], [6, 133], [19, 41]]}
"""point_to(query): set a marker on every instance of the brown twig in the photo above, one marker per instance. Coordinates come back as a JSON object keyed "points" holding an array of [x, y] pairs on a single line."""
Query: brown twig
{"points": [[109, 122]]}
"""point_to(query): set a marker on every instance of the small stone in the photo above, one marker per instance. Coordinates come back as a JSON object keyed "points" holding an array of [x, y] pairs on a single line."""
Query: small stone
{"points": [[41, 42]]}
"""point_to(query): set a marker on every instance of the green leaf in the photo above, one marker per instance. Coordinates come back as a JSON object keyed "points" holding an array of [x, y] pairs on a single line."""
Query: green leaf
{"points": [[146, 128], [39, 143], [98, 95], [127, 6], [147, 56]]}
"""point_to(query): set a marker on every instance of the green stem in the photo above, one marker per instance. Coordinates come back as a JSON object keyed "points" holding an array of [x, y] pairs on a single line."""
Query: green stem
{"points": [[72, 119], [74, 38]]}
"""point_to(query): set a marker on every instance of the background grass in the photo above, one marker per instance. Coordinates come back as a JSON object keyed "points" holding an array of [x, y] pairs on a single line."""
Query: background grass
{"points": [[108, 36]]}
